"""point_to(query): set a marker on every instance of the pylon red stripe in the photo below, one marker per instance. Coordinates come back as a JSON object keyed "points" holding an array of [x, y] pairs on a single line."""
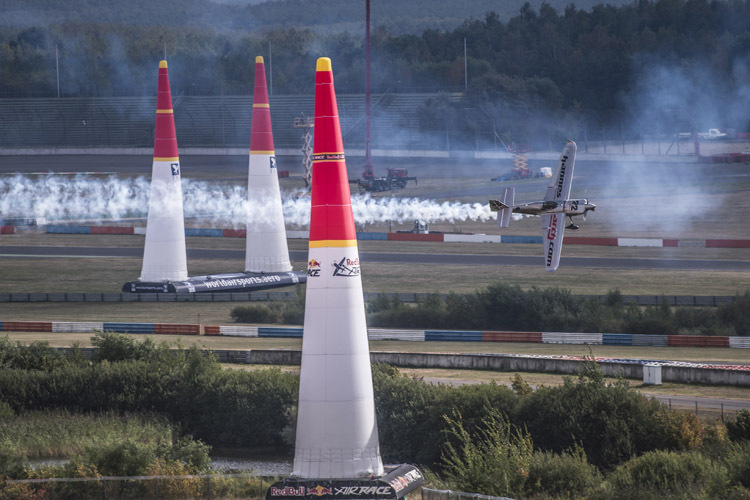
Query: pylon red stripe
{"points": [[261, 135], [165, 137], [331, 215]]}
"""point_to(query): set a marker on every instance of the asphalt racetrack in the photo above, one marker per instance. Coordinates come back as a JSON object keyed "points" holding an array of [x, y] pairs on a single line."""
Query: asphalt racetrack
{"points": [[404, 258]]}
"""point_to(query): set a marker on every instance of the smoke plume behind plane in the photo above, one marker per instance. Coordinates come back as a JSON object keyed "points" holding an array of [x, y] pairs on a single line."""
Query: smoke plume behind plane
{"points": [[65, 198]]}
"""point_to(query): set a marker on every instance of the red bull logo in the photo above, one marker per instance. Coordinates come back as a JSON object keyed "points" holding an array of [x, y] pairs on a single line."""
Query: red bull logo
{"points": [[346, 267], [313, 268], [319, 491], [288, 491]]}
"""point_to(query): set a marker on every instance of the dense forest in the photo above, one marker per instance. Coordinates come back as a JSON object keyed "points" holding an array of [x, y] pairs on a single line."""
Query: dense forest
{"points": [[257, 15], [653, 65]]}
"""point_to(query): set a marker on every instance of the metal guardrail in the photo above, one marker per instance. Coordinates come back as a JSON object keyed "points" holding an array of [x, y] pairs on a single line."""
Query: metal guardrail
{"points": [[641, 300]]}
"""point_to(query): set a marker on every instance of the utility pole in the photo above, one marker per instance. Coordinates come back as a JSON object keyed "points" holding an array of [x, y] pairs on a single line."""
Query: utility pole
{"points": [[466, 72], [368, 138], [57, 70], [270, 70]]}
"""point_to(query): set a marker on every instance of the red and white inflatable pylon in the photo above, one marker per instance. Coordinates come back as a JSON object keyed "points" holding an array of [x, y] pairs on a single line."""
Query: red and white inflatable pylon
{"points": [[337, 432]]}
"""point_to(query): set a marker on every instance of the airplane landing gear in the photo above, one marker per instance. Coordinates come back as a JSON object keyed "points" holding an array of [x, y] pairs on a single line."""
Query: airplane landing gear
{"points": [[572, 225]]}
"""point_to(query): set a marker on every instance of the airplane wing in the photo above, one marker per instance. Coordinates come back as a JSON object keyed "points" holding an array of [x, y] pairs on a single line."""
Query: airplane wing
{"points": [[562, 178], [553, 226]]}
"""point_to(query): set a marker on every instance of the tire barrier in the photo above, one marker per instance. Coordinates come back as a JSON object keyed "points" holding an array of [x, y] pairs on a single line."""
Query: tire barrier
{"points": [[617, 339], [434, 237], [26, 326], [650, 340], [77, 326], [612, 339], [386, 334], [237, 331], [535, 337], [128, 327], [212, 330], [696, 341], [739, 342], [452, 336], [271, 331], [641, 300], [572, 338]]}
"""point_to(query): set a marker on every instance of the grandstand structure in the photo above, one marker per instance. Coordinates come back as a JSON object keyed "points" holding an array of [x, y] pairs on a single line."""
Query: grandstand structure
{"points": [[205, 121]]}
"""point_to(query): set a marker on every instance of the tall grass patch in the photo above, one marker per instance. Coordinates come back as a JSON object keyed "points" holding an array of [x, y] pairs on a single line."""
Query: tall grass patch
{"points": [[62, 434]]}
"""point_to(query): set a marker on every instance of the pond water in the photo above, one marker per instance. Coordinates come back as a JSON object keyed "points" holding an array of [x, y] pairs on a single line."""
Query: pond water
{"points": [[264, 466]]}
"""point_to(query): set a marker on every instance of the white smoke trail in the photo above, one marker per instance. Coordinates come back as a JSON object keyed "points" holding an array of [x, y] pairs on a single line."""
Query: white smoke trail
{"points": [[56, 197]]}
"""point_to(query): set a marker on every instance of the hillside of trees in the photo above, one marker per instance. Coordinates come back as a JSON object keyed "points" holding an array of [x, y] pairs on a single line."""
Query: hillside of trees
{"points": [[254, 15], [647, 66]]}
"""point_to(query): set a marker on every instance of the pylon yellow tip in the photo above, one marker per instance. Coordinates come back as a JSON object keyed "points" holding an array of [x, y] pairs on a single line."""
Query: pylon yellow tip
{"points": [[259, 59], [162, 64], [324, 64]]}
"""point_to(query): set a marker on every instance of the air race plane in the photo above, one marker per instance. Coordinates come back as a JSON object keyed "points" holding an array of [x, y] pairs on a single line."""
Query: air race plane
{"points": [[553, 209]]}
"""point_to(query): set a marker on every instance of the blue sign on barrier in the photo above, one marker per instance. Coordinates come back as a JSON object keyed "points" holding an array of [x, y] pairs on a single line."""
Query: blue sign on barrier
{"points": [[507, 238], [617, 339], [60, 229], [452, 336], [372, 236], [128, 327], [203, 231], [270, 331]]}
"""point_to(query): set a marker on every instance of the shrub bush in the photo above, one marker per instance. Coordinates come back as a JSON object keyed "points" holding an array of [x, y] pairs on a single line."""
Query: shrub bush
{"points": [[492, 460], [739, 428], [611, 421], [737, 314], [682, 474], [737, 461], [255, 313], [35, 356], [565, 475], [188, 387], [288, 312]]}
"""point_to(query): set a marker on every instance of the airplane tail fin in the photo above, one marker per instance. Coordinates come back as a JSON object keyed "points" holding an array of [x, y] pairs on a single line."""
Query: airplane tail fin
{"points": [[504, 207]]}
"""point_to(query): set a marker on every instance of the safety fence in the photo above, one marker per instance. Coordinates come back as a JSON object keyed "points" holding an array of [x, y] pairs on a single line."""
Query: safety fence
{"points": [[611, 339], [433, 237], [409, 297]]}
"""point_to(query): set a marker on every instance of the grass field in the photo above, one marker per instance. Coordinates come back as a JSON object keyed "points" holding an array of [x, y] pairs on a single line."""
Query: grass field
{"points": [[86, 274]]}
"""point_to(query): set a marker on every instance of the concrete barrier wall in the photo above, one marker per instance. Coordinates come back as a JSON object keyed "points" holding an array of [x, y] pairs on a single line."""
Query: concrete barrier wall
{"points": [[494, 362], [524, 364], [642, 300]]}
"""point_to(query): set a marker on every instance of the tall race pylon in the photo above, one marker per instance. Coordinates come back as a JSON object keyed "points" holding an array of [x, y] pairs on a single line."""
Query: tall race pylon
{"points": [[266, 248], [337, 433], [164, 256]]}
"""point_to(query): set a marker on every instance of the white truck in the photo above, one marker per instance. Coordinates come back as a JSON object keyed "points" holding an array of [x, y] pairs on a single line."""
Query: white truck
{"points": [[713, 134]]}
